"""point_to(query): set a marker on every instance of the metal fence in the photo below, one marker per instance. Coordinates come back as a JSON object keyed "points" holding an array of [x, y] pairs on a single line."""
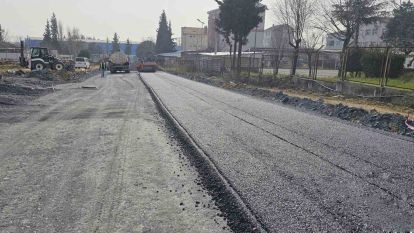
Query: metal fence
{"points": [[382, 66], [392, 67]]}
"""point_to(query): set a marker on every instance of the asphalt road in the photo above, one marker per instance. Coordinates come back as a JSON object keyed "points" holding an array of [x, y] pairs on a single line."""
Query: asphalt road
{"points": [[97, 160], [298, 172]]}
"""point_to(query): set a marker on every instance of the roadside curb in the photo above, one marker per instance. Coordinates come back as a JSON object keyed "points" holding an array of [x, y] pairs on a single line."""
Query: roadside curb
{"points": [[254, 224]]}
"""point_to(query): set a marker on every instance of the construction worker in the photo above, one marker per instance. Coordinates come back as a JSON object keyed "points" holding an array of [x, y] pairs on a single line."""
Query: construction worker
{"points": [[102, 68]]}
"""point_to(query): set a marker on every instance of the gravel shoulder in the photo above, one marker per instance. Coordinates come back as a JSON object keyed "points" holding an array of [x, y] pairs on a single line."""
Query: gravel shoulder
{"points": [[98, 160]]}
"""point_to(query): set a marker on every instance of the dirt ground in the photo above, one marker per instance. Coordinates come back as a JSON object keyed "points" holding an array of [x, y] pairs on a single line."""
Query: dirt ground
{"points": [[98, 160], [19, 86]]}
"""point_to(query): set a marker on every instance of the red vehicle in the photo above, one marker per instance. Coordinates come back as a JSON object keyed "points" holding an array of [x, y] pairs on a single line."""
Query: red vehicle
{"points": [[146, 66]]}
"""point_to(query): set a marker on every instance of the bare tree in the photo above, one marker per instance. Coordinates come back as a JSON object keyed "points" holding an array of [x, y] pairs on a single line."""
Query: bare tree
{"points": [[60, 31], [3, 34], [74, 43], [298, 15], [279, 43], [312, 44]]}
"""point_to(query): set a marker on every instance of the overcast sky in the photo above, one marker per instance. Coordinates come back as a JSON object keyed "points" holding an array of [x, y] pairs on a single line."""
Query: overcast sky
{"points": [[134, 19]]}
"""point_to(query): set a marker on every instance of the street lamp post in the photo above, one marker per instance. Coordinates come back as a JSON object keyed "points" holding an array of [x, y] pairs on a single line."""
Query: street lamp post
{"points": [[202, 32]]}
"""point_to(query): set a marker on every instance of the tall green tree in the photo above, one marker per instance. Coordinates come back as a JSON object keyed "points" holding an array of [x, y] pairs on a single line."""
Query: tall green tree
{"points": [[146, 49], [115, 43], [47, 36], [343, 18], [400, 29], [225, 25], [164, 43], [241, 16], [54, 31], [128, 48]]}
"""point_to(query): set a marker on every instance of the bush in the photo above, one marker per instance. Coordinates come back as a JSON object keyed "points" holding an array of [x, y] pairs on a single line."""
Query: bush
{"points": [[373, 61], [354, 61]]}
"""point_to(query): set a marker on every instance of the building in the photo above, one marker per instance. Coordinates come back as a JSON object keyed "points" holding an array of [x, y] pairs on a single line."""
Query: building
{"points": [[276, 36], [333, 43], [216, 40], [102, 45], [194, 39], [372, 34]]}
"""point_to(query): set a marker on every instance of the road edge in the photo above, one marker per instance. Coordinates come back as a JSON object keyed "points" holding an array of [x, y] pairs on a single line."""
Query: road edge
{"points": [[255, 224]]}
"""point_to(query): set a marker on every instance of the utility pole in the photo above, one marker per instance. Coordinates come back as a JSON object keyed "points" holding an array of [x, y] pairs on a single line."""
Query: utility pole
{"points": [[215, 39]]}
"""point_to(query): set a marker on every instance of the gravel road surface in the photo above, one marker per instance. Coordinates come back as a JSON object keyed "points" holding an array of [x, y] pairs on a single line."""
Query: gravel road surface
{"points": [[297, 171], [98, 160]]}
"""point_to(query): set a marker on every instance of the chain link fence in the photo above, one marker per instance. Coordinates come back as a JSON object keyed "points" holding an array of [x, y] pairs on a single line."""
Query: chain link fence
{"points": [[380, 66]]}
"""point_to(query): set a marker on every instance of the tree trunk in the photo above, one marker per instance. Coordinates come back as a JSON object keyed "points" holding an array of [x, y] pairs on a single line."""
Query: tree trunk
{"points": [[310, 64], [341, 68], [233, 64], [295, 61], [239, 60], [231, 58]]}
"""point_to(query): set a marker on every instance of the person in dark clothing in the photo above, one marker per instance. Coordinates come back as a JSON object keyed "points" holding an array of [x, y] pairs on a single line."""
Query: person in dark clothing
{"points": [[102, 68]]}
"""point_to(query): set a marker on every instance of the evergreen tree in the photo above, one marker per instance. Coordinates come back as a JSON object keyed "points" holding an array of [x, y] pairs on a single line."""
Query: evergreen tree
{"points": [[115, 43], [47, 37], [54, 31], [344, 18], [240, 17], [164, 43], [128, 48], [400, 30]]}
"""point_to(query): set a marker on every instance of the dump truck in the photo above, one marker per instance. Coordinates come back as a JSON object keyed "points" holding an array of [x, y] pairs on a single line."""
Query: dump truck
{"points": [[119, 62]]}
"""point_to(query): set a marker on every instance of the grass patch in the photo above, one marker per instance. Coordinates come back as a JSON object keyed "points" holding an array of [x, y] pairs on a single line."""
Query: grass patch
{"points": [[405, 81]]}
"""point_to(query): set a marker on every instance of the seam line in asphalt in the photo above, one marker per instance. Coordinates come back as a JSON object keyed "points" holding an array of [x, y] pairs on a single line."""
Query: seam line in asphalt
{"points": [[255, 220]]}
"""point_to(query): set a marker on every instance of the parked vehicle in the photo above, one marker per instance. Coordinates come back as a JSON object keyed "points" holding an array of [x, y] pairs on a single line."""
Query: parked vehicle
{"points": [[82, 63], [118, 62], [409, 63], [40, 59]]}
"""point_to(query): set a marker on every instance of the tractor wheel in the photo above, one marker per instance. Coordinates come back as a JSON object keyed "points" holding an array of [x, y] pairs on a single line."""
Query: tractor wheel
{"points": [[38, 66], [58, 66]]}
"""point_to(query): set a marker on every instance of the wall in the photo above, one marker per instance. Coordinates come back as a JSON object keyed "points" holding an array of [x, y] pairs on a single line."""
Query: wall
{"points": [[194, 39], [9, 56]]}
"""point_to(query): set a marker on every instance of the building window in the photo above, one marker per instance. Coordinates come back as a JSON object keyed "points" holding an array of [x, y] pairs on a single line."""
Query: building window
{"points": [[368, 32], [331, 43], [375, 31]]}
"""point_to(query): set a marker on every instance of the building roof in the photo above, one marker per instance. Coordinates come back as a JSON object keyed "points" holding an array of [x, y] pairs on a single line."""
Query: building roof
{"points": [[280, 26], [176, 54]]}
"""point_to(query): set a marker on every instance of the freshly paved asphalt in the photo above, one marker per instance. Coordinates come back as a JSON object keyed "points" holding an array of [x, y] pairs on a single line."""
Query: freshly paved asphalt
{"points": [[297, 171]]}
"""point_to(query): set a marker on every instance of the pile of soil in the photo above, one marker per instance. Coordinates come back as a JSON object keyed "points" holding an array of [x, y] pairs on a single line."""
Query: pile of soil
{"points": [[20, 87], [387, 122]]}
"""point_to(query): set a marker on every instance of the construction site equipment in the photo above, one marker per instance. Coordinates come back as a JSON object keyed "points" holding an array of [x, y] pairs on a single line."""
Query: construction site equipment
{"points": [[40, 59], [119, 62], [146, 66]]}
